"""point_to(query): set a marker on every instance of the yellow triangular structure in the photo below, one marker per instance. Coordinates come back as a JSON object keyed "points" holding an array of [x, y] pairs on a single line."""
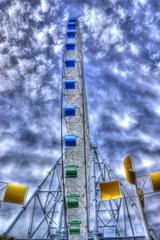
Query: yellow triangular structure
{"points": [[128, 170], [155, 179], [110, 190], [15, 193]]}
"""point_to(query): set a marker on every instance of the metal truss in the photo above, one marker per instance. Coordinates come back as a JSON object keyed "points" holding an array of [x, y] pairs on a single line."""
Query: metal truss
{"points": [[115, 219], [42, 216], [78, 155], [112, 217], [45, 215]]}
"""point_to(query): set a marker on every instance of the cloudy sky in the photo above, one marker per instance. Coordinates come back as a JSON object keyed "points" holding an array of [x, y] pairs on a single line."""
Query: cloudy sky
{"points": [[121, 40]]}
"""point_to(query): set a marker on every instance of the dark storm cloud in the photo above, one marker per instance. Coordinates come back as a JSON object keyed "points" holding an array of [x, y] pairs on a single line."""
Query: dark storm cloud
{"points": [[121, 55]]}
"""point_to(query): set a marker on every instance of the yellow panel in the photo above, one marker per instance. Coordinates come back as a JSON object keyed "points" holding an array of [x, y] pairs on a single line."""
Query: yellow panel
{"points": [[110, 190], [128, 170], [15, 193], [155, 178]]}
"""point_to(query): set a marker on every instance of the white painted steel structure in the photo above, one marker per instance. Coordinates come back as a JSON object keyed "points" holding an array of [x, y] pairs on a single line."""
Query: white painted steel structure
{"points": [[47, 215], [80, 154]]}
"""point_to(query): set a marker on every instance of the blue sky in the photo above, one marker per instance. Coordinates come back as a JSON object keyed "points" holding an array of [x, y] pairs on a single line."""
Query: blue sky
{"points": [[121, 42]]}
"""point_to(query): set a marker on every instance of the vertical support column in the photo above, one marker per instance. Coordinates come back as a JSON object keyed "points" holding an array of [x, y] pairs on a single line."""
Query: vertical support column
{"points": [[95, 208], [76, 147], [142, 215], [140, 208]]}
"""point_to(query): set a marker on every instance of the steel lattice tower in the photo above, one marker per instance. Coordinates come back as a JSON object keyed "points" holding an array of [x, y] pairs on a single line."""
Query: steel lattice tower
{"points": [[76, 156], [66, 205]]}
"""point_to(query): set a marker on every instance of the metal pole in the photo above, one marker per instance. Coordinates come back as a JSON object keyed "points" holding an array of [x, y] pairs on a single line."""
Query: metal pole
{"points": [[140, 208], [95, 200], [62, 153], [142, 215], [84, 133]]}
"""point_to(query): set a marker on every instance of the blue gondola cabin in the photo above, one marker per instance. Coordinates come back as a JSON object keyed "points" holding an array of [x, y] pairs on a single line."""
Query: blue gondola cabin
{"points": [[70, 47], [69, 84], [71, 34], [72, 20], [70, 63], [69, 111], [70, 140], [71, 26]]}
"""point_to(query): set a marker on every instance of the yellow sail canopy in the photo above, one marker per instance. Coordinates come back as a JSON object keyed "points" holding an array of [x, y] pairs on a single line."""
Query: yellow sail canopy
{"points": [[110, 190], [128, 170], [15, 193], [155, 179]]}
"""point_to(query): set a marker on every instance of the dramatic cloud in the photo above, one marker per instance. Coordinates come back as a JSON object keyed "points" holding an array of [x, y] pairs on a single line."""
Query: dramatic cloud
{"points": [[122, 69]]}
